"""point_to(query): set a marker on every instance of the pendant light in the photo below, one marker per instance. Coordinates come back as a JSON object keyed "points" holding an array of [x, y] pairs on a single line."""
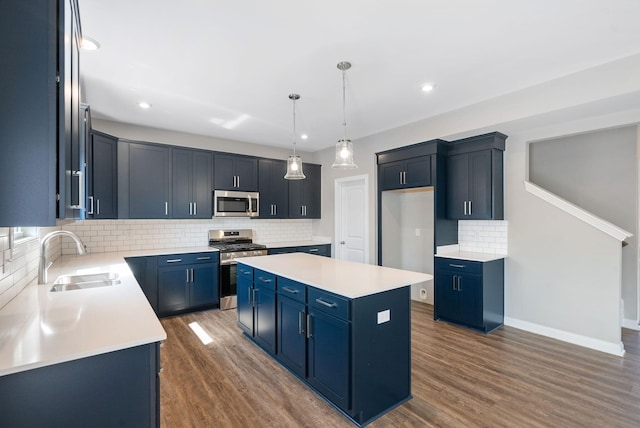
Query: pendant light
{"points": [[294, 162], [344, 148]]}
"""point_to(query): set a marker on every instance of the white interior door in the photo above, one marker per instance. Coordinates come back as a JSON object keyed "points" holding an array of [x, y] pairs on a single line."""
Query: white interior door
{"points": [[352, 221]]}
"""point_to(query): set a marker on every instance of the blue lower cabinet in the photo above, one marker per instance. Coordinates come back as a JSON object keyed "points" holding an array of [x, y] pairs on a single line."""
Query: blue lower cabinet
{"points": [[329, 357], [355, 353]]}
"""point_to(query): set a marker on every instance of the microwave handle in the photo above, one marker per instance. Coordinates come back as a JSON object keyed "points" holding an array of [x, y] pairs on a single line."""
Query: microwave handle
{"points": [[250, 207]]}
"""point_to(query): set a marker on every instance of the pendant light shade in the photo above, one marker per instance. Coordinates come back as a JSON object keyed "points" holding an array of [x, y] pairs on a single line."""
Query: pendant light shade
{"points": [[344, 147], [294, 162]]}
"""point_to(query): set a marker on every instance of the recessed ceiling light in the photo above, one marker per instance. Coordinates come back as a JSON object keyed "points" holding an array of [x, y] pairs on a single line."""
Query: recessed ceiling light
{"points": [[304, 136], [144, 105], [428, 87], [89, 44]]}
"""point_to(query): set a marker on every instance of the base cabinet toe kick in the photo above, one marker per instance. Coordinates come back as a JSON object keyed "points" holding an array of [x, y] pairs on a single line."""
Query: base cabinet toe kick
{"points": [[354, 352]]}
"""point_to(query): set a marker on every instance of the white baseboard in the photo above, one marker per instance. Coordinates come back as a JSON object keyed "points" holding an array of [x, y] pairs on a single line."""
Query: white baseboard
{"points": [[630, 324], [576, 339]]}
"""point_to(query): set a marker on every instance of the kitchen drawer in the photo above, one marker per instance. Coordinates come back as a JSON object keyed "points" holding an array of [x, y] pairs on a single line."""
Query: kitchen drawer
{"points": [[458, 265], [245, 272], [320, 250], [292, 289], [328, 303], [264, 279], [187, 259]]}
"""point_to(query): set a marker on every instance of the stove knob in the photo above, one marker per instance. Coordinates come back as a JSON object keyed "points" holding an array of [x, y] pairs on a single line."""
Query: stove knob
{"points": [[256, 253]]}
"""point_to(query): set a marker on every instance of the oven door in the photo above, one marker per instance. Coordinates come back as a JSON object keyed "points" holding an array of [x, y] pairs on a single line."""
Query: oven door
{"points": [[235, 204], [228, 290]]}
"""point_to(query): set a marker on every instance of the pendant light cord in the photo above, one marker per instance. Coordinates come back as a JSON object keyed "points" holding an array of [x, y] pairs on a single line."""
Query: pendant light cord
{"points": [[294, 126], [344, 104]]}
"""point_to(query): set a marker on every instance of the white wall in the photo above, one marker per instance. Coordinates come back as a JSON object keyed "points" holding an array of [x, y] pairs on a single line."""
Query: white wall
{"points": [[552, 109]]}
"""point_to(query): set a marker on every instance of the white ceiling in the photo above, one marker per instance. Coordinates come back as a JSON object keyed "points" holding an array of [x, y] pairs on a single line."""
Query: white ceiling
{"points": [[225, 68]]}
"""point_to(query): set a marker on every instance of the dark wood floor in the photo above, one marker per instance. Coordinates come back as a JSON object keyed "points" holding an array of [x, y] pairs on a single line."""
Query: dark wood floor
{"points": [[460, 378]]}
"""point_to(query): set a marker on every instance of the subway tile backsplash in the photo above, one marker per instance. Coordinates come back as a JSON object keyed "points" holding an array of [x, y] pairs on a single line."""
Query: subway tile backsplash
{"points": [[483, 236], [102, 236]]}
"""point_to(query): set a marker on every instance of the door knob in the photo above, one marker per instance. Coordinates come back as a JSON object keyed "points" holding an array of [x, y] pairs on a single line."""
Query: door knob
{"points": [[342, 242]]}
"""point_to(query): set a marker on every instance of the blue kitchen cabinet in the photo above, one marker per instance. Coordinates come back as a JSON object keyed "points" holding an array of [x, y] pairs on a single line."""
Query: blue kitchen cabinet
{"points": [[292, 325], [187, 282], [102, 176], [469, 293], [273, 188], [145, 192], [39, 111], [145, 270], [304, 195], [256, 299], [192, 183], [320, 250], [236, 172], [114, 389], [403, 174], [475, 178], [244, 289]]}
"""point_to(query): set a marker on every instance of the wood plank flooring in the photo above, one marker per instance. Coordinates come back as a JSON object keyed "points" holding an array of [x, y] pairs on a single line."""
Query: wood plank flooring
{"points": [[460, 378]]}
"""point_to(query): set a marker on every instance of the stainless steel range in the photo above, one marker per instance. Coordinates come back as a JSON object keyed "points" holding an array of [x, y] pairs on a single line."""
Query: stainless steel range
{"points": [[233, 244]]}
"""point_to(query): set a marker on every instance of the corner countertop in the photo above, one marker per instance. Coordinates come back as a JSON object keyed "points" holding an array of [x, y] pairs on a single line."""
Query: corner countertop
{"points": [[348, 279], [471, 256], [39, 328]]}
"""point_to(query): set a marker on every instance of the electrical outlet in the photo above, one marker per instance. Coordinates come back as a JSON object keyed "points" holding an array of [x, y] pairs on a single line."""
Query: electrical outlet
{"points": [[423, 293], [417, 232]]}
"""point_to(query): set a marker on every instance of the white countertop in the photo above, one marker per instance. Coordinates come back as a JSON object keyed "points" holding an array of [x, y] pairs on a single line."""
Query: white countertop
{"points": [[471, 256], [348, 279], [296, 243], [40, 328]]}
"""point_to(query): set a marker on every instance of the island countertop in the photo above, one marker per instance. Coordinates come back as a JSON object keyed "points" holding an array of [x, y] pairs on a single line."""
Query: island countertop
{"points": [[345, 278], [40, 328]]}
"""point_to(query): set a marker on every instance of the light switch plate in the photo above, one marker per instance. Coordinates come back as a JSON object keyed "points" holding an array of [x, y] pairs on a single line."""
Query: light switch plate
{"points": [[384, 316]]}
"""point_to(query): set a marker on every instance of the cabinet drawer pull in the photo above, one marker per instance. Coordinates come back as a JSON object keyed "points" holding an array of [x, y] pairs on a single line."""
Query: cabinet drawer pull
{"points": [[261, 279], [290, 290], [457, 266], [204, 258], [325, 303], [174, 260], [313, 250]]}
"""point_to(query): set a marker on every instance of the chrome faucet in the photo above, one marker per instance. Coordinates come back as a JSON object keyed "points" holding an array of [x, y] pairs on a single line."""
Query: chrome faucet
{"points": [[42, 267]]}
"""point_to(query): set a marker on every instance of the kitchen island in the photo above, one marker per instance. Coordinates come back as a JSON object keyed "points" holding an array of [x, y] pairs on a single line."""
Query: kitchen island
{"points": [[343, 328]]}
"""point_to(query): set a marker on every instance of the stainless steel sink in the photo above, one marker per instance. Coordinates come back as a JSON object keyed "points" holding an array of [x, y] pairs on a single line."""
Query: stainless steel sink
{"points": [[78, 282]]}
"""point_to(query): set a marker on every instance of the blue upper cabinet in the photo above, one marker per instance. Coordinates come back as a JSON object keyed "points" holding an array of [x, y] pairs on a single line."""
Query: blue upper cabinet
{"points": [[475, 178], [415, 172], [192, 183], [273, 188], [102, 176], [148, 182], [38, 113], [236, 172]]}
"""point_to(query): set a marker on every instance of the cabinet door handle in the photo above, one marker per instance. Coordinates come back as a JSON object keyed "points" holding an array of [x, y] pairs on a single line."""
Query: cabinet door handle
{"points": [[300, 323], [400, 177], [173, 260], [261, 279], [190, 208], [187, 271], [192, 275], [195, 208], [238, 181], [81, 195], [290, 290], [325, 303], [275, 209], [453, 283], [249, 296], [98, 206], [465, 207], [255, 299], [469, 207], [459, 283], [166, 208], [309, 326], [90, 210], [203, 258]]}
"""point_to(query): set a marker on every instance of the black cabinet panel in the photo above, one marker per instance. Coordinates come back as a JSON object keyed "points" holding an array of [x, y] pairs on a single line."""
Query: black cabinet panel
{"points": [[236, 172], [102, 180], [470, 293], [149, 181], [273, 188], [415, 172], [173, 289], [304, 195], [292, 340], [181, 184], [202, 184]]}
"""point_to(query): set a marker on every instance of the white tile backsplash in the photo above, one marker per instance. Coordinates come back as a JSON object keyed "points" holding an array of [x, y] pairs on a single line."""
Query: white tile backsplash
{"points": [[129, 235], [483, 236]]}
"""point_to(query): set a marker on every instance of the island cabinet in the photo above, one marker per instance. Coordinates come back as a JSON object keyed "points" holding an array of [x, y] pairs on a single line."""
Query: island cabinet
{"points": [[273, 188], [191, 184], [257, 306], [187, 282], [236, 172], [119, 388], [351, 348], [319, 250], [475, 178], [470, 293]]}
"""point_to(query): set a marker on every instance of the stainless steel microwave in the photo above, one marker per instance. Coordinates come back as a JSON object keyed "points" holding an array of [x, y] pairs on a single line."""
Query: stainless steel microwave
{"points": [[228, 203]]}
